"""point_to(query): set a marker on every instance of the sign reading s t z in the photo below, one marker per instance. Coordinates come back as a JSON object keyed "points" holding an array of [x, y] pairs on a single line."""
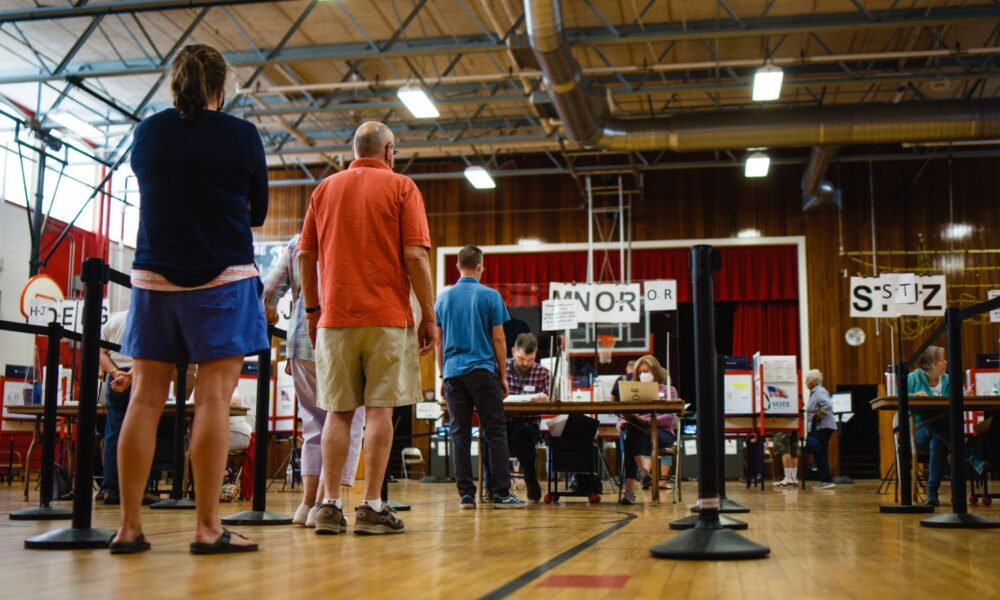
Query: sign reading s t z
{"points": [[873, 297]]}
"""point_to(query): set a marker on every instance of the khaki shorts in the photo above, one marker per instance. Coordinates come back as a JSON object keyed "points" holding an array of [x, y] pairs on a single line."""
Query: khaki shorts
{"points": [[366, 366]]}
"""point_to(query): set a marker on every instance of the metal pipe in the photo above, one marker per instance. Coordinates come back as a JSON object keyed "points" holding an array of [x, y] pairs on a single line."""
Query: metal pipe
{"points": [[784, 127], [49, 13]]}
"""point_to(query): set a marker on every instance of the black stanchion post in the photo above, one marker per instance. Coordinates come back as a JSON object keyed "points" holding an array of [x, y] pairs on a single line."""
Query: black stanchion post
{"points": [[177, 501], [44, 512], [259, 515], [959, 517], [727, 505], [708, 540], [81, 535], [904, 466]]}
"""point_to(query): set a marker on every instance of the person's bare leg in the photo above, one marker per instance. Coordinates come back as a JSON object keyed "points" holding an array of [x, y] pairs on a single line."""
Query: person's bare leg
{"points": [[378, 444], [310, 485], [137, 441], [336, 441], [209, 443]]}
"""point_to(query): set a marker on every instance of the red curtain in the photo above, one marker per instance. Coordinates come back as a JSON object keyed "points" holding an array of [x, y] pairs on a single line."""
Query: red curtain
{"points": [[751, 274], [767, 327]]}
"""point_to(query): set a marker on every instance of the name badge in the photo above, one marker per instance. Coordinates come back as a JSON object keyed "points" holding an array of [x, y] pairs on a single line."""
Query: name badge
{"points": [[529, 389]]}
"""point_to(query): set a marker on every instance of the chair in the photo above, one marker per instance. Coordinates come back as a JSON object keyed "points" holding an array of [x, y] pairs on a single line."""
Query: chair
{"points": [[10, 462], [413, 456]]}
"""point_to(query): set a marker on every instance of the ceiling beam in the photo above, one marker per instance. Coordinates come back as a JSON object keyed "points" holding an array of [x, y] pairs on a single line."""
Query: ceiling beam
{"points": [[50, 13], [597, 36]]}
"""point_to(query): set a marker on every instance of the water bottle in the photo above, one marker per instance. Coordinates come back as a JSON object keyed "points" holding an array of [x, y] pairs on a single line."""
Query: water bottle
{"points": [[288, 473], [995, 391], [598, 392]]}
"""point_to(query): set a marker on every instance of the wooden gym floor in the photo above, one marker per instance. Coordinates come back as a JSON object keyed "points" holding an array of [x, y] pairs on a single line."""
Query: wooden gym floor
{"points": [[823, 545]]}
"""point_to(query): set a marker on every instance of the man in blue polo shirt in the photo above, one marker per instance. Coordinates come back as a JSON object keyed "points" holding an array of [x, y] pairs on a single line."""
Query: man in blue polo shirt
{"points": [[471, 356]]}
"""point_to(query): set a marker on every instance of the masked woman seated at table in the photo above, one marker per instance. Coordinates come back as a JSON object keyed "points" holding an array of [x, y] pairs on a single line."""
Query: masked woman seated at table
{"points": [[635, 429]]}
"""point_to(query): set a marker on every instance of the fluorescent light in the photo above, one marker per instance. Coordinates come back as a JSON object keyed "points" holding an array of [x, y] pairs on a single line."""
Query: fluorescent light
{"points": [[767, 83], [77, 126], [417, 102], [956, 231], [479, 178], [746, 234], [757, 165], [529, 241]]}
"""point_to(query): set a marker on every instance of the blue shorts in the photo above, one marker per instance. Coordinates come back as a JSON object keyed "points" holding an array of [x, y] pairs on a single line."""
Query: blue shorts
{"points": [[196, 326]]}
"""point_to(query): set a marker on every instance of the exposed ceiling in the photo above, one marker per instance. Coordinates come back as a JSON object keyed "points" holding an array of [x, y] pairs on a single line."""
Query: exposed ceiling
{"points": [[308, 72]]}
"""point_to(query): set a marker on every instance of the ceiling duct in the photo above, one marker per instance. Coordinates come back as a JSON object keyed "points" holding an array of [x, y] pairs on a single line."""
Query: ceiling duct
{"points": [[584, 115], [816, 192]]}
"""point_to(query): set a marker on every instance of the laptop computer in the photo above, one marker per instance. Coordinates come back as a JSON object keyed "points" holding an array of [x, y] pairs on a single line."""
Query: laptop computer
{"points": [[639, 391]]}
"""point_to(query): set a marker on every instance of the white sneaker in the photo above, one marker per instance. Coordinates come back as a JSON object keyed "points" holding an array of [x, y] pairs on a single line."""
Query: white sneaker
{"points": [[784, 482], [311, 518], [301, 514], [825, 486]]}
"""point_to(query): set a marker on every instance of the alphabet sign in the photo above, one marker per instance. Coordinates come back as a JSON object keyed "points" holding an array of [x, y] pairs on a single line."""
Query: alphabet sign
{"points": [[873, 297], [660, 294], [600, 302]]}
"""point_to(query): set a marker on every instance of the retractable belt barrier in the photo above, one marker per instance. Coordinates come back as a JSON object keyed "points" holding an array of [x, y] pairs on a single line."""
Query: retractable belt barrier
{"points": [[708, 539], [95, 274]]}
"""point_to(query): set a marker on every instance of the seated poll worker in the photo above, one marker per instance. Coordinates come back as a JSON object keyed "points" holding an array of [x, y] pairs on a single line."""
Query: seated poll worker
{"points": [[930, 378], [471, 357], [637, 443], [526, 381]]}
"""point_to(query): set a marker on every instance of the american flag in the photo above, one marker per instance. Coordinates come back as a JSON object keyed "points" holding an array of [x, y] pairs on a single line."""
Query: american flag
{"points": [[777, 392]]}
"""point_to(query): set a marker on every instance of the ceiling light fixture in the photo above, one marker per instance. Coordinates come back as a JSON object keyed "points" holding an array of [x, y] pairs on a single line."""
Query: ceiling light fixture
{"points": [[479, 178], [77, 126], [767, 83], [417, 102], [757, 164]]}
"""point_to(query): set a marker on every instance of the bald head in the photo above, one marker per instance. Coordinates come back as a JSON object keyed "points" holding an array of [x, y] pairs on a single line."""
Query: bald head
{"points": [[371, 139]]}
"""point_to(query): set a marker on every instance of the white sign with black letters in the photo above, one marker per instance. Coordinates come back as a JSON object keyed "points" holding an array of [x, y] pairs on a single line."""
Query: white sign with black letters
{"points": [[68, 313], [558, 315], [660, 294], [994, 314], [600, 302], [872, 297]]}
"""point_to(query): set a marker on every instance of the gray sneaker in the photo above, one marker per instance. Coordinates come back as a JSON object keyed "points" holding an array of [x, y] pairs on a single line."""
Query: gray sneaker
{"points": [[330, 519], [508, 501], [369, 522], [829, 485]]}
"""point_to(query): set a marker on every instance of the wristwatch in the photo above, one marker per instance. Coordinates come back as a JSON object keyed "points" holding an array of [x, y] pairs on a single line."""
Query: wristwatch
{"points": [[312, 309]]}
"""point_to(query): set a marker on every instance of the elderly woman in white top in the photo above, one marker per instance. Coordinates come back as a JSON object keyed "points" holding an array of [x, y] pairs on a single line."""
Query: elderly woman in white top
{"points": [[820, 424]]}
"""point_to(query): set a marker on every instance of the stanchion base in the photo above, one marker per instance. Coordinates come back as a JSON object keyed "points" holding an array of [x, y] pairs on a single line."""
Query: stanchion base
{"points": [[728, 506], [960, 521], [432, 479], [905, 509], [691, 521], [41, 513], [257, 517], [397, 506], [711, 542], [70, 539], [171, 504]]}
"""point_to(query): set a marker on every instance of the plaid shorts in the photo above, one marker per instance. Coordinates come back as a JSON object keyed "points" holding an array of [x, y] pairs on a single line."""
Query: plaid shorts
{"points": [[785, 443]]}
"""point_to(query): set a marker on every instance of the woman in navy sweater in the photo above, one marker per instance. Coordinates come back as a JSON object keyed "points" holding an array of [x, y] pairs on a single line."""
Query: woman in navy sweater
{"points": [[196, 291]]}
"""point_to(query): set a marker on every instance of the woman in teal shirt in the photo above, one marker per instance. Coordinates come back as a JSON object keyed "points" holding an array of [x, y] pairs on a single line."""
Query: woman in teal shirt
{"points": [[931, 379]]}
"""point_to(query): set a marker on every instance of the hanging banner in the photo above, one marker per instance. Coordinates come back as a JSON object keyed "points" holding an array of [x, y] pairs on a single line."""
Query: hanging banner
{"points": [[872, 297], [660, 294], [600, 302]]}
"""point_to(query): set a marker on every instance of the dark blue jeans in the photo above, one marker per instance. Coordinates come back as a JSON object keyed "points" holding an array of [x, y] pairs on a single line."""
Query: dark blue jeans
{"points": [[116, 404], [935, 437], [636, 442], [817, 442]]}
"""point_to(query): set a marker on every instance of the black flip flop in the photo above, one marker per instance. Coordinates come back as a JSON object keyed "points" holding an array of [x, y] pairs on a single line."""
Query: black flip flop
{"points": [[222, 545], [134, 546]]}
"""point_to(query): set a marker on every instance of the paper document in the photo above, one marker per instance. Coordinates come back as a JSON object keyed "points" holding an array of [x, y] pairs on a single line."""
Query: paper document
{"points": [[520, 398]]}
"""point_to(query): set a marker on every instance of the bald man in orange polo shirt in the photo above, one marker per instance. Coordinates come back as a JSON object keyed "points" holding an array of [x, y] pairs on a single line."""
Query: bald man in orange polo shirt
{"points": [[367, 229]]}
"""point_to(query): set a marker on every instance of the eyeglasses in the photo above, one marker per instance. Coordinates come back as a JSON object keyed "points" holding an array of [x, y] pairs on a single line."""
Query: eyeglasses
{"points": [[394, 151]]}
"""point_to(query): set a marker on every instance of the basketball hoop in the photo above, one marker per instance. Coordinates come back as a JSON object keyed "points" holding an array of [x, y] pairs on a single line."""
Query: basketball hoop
{"points": [[605, 344]]}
